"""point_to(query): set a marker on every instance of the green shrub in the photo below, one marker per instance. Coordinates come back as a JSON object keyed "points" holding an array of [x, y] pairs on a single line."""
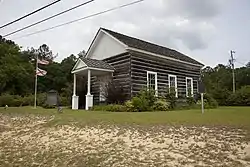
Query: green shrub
{"points": [[144, 101], [181, 104], [28, 100], [130, 107], [10, 100], [64, 101], [17, 101], [140, 104], [240, 98], [148, 95], [170, 96], [116, 108], [41, 99], [190, 101], [100, 108], [114, 93], [220, 95], [161, 105], [209, 102], [6, 99]]}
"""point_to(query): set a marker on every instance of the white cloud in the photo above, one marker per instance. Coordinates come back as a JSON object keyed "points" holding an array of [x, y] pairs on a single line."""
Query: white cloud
{"points": [[166, 22]]}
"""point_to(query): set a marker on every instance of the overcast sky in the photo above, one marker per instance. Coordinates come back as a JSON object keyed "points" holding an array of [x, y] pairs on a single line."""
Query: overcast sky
{"points": [[203, 29]]}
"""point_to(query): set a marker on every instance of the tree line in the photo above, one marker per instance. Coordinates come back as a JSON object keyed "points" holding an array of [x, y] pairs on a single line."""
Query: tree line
{"points": [[17, 70], [219, 84], [17, 74]]}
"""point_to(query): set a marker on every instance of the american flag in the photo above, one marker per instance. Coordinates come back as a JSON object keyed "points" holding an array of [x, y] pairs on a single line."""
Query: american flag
{"points": [[41, 72], [44, 62]]}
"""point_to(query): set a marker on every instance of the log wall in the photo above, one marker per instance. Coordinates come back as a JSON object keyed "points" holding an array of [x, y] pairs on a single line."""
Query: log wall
{"points": [[131, 72], [140, 64], [122, 74]]}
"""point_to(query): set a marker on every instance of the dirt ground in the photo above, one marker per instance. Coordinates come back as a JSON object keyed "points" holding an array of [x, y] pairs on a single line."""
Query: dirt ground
{"points": [[30, 141]]}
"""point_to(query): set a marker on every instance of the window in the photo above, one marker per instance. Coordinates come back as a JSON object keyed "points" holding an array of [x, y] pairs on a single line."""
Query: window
{"points": [[152, 80], [189, 87], [172, 83]]}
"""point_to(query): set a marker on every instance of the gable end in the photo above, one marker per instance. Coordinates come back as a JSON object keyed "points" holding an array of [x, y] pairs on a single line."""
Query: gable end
{"points": [[104, 46]]}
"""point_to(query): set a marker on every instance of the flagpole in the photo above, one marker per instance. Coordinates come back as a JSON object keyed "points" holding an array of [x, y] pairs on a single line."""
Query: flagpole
{"points": [[36, 80]]}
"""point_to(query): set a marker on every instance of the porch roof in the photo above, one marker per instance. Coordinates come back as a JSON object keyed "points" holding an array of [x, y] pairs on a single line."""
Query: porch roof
{"points": [[86, 63], [97, 64]]}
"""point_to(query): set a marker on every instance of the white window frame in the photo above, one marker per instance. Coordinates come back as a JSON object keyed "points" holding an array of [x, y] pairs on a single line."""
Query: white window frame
{"points": [[176, 89], [192, 86], [156, 83]]}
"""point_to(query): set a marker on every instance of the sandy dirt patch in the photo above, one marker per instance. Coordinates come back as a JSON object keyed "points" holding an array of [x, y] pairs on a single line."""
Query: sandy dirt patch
{"points": [[28, 141]]}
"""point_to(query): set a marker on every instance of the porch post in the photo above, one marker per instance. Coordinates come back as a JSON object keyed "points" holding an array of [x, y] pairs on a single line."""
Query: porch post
{"points": [[74, 89], [89, 80], [89, 97], [75, 99]]}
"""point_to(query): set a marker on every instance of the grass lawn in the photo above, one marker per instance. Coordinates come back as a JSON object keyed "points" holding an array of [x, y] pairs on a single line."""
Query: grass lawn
{"points": [[223, 116]]}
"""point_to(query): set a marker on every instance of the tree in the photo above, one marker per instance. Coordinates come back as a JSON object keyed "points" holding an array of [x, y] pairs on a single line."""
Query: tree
{"points": [[46, 53], [16, 74], [67, 65], [82, 54], [242, 76], [248, 64], [17, 70], [218, 81], [58, 75]]}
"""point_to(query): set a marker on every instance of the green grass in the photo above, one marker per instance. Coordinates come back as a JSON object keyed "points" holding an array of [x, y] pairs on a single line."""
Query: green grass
{"points": [[223, 116]]}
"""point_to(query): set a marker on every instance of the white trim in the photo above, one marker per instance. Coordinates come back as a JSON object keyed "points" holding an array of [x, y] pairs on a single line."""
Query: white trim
{"points": [[161, 56], [75, 102], [176, 88], [93, 43], [78, 61], [91, 68], [156, 83], [79, 70], [74, 87], [89, 82], [192, 86], [100, 69]]}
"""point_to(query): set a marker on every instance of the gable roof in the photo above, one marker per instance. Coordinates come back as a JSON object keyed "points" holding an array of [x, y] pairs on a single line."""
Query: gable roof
{"points": [[93, 63], [150, 47]]}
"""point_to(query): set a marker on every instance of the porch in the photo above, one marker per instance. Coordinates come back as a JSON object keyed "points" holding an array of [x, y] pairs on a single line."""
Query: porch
{"points": [[87, 68]]}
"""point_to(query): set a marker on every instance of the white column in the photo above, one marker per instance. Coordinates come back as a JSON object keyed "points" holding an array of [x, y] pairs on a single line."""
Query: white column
{"points": [[89, 82], [75, 99], [74, 89], [89, 97]]}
